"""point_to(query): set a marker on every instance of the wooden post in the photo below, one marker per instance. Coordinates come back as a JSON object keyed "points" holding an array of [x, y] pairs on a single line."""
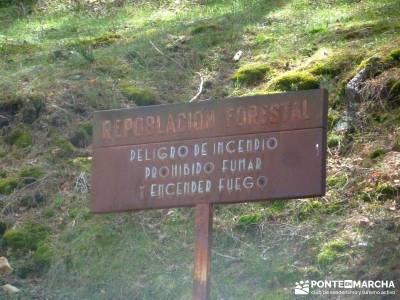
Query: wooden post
{"points": [[202, 252]]}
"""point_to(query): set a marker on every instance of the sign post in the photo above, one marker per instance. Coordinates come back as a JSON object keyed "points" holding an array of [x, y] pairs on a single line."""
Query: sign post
{"points": [[202, 251], [216, 152]]}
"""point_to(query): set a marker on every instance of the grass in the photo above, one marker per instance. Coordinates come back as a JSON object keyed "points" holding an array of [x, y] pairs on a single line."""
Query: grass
{"points": [[76, 60]]}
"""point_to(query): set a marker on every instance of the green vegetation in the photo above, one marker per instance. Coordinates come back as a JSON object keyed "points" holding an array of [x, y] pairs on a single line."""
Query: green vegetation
{"points": [[140, 96], [377, 153], [44, 255], [250, 219], [83, 163], [31, 174], [251, 74], [334, 140], [82, 136], [27, 237], [8, 185], [20, 137], [294, 81], [330, 251]]}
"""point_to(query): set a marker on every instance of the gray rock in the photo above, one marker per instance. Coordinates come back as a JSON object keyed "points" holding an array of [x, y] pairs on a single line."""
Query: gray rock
{"points": [[4, 121]]}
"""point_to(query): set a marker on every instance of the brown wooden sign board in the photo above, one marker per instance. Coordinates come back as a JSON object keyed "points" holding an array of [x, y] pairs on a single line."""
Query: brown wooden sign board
{"points": [[234, 150]]}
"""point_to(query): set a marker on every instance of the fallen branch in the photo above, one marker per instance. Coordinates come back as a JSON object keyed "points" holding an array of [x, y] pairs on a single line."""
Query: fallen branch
{"points": [[162, 53], [200, 90]]}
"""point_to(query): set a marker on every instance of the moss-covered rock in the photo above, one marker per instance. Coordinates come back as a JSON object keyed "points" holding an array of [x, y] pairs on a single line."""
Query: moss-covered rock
{"points": [[20, 137], [294, 81], [141, 96], [82, 135], [330, 251], [100, 41], [251, 74], [393, 58], [27, 237], [8, 185]]}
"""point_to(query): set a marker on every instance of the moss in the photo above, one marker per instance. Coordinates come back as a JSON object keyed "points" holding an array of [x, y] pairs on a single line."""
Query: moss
{"points": [[325, 68], [44, 255], [330, 251], [101, 41], [249, 219], [315, 209], [141, 96], [31, 174], [393, 57], [377, 153], [334, 140], [336, 181], [32, 109], [293, 81], [20, 137], [8, 185], [204, 28], [17, 47], [251, 74], [82, 135], [83, 163], [27, 237]]}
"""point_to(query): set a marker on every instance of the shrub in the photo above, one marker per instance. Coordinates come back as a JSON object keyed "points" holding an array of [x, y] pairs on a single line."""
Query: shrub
{"points": [[32, 109], [31, 174], [82, 135], [20, 137], [27, 237], [44, 255], [333, 140], [377, 153], [8, 185]]}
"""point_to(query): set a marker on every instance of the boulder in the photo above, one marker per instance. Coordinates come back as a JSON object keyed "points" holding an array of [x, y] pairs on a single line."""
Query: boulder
{"points": [[8, 288], [4, 121], [5, 267]]}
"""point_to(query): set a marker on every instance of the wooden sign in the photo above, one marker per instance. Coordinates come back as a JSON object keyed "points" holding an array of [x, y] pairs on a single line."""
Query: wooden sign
{"points": [[234, 150]]}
